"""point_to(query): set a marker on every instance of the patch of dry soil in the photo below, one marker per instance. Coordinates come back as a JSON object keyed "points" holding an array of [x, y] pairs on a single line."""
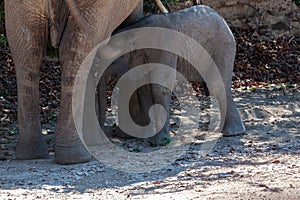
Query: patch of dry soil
{"points": [[263, 164]]}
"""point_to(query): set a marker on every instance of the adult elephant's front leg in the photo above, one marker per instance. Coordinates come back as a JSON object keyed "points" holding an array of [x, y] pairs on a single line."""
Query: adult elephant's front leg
{"points": [[26, 26]]}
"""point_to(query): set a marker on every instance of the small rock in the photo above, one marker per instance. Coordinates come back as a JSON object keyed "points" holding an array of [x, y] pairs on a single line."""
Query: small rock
{"points": [[79, 173], [225, 175], [33, 169]]}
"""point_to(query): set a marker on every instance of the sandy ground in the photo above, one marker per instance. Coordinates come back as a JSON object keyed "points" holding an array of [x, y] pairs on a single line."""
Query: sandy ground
{"points": [[263, 164]]}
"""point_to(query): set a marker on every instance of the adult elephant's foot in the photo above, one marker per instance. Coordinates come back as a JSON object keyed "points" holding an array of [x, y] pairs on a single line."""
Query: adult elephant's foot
{"points": [[36, 149], [66, 154]]}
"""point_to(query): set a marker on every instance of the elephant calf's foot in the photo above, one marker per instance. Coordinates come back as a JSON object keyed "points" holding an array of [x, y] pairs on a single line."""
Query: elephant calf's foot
{"points": [[233, 129], [32, 150], [71, 154], [160, 139]]}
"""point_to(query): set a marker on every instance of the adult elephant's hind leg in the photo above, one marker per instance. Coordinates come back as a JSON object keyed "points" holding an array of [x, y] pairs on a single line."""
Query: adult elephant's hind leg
{"points": [[27, 42], [68, 146], [101, 19]]}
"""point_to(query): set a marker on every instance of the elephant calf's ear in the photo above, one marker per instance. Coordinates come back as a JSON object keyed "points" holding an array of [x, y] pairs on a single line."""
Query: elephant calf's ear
{"points": [[58, 19]]}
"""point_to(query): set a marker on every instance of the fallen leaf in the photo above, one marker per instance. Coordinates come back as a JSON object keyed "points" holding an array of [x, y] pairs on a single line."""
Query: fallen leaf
{"points": [[276, 161], [156, 182]]}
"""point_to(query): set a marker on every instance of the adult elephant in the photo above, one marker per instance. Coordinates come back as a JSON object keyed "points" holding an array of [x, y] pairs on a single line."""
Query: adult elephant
{"points": [[29, 24]]}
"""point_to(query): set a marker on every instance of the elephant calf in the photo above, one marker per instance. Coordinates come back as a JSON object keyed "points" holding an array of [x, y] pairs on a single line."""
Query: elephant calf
{"points": [[210, 30]]}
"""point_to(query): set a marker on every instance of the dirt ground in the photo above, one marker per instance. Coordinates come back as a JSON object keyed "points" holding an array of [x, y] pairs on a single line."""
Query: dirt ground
{"points": [[263, 164]]}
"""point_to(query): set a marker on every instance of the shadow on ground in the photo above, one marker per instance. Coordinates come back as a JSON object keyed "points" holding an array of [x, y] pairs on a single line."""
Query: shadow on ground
{"points": [[273, 137]]}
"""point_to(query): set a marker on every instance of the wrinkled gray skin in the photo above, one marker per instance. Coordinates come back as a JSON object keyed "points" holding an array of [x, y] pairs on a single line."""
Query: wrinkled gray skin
{"points": [[29, 24], [211, 31]]}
